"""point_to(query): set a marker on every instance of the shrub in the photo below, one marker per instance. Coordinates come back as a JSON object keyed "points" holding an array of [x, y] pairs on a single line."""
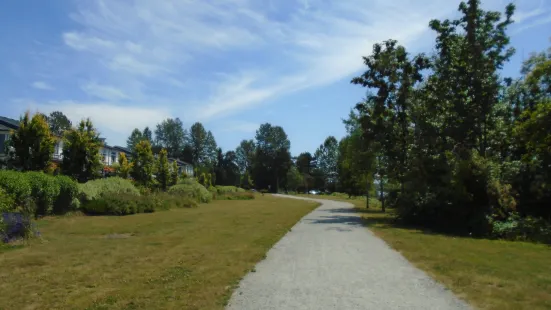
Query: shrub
{"points": [[17, 186], [14, 226], [45, 190], [102, 187], [7, 203], [195, 191], [214, 192], [237, 196], [125, 204], [67, 200], [516, 227]]}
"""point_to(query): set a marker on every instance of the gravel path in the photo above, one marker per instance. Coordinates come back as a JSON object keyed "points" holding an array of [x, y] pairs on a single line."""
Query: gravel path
{"points": [[330, 261]]}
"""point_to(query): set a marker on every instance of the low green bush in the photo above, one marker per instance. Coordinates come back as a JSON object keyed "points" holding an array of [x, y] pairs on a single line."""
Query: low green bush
{"points": [[126, 204], [45, 190], [17, 186], [193, 190], [237, 196], [226, 189], [520, 228], [7, 203], [67, 200], [103, 187], [214, 192]]}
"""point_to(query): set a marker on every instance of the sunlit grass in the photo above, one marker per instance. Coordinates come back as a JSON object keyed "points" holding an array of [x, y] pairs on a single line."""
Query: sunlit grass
{"points": [[177, 259]]}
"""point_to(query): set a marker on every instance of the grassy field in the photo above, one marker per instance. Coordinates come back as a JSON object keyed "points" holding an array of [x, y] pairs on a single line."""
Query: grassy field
{"points": [[490, 274], [177, 259]]}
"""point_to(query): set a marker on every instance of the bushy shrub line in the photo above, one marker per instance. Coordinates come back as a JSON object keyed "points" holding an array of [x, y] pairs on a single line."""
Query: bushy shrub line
{"points": [[37, 193], [99, 188], [193, 190], [125, 204], [236, 196]]}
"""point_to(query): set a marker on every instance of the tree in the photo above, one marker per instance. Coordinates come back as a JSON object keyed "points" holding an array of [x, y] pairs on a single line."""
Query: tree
{"points": [[81, 158], [147, 134], [143, 164], [58, 123], [124, 166], [174, 173], [198, 144], [33, 143], [135, 137], [171, 135], [163, 173], [294, 179], [326, 157], [272, 158], [245, 155], [211, 150]]}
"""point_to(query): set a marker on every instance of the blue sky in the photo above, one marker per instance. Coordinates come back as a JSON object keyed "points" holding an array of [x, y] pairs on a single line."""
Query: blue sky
{"points": [[231, 64]]}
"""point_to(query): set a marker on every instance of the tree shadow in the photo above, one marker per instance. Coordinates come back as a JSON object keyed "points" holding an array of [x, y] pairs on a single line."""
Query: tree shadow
{"points": [[344, 210], [338, 219]]}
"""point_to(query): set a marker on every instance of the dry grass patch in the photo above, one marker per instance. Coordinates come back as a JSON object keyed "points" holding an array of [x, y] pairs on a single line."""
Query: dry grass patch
{"points": [[490, 274], [176, 259]]}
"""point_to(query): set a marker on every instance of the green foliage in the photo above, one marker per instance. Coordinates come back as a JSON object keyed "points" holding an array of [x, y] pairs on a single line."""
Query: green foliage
{"points": [[174, 173], [272, 158], [236, 196], [58, 123], [45, 190], [7, 203], [18, 187], [125, 204], [246, 181], [192, 190], [124, 168], [68, 199], [170, 135], [143, 164], [96, 189], [163, 173], [33, 143], [81, 158]]}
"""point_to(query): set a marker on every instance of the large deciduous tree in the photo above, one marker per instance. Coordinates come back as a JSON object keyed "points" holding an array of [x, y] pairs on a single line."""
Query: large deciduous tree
{"points": [[58, 123], [171, 135], [143, 164], [272, 157]]}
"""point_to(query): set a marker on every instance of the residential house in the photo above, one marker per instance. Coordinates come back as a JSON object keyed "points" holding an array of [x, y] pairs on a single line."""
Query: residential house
{"points": [[183, 167], [6, 125], [110, 154]]}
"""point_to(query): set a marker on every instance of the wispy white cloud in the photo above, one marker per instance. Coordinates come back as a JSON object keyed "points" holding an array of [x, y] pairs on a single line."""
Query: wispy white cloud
{"points": [[104, 91], [205, 60], [42, 85], [240, 126]]}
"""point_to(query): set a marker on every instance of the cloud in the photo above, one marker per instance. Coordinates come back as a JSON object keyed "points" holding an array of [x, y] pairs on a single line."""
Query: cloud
{"points": [[206, 60], [41, 85], [104, 91]]}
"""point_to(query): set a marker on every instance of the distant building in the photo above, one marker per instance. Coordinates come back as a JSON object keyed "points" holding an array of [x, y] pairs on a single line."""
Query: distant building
{"points": [[109, 154]]}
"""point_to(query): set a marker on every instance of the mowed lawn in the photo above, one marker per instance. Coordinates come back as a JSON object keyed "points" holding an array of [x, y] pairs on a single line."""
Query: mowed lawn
{"points": [[490, 274], [177, 259]]}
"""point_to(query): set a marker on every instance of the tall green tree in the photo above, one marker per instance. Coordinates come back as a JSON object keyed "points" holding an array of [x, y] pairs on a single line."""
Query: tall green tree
{"points": [[245, 155], [211, 150], [124, 166], [58, 123], [171, 135], [81, 158], [326, 157], [272, 157], [135, 137], [33, 143], [198, 144], [143, 164], [147, 134], [163, 171], [174, 173]]}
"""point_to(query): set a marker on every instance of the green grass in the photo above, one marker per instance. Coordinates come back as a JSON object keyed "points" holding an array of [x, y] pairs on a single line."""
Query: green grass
{"points": [[176, 259], [490, 274]]}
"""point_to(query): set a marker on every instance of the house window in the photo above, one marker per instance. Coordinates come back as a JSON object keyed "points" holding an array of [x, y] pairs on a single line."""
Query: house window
{"points": [[113, 157]]}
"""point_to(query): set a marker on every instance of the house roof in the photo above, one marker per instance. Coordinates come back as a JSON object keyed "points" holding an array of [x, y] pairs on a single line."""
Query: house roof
{"points": [[180, 162], [10, 123], [122, 149]]}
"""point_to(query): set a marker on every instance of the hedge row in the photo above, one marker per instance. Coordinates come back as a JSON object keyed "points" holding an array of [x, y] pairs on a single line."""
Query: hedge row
{"points": [[125, 204], [99, 188], [37, 193]]}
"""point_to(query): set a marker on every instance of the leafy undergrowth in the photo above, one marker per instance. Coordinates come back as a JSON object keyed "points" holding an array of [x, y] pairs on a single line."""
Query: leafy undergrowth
{"points": [[178, 259], [490, 274]]}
